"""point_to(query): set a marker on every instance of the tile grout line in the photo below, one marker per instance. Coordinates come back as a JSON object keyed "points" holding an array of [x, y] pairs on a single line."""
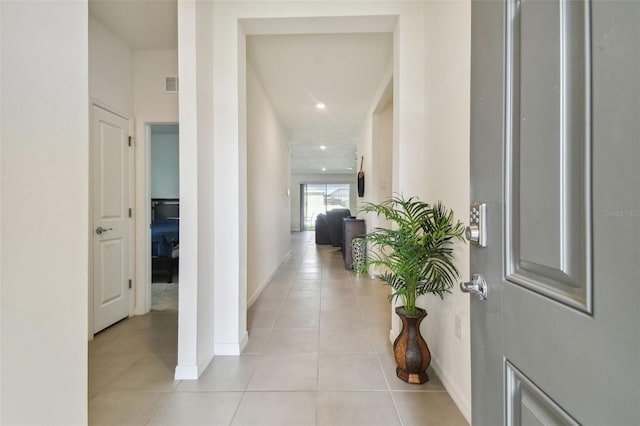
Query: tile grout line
{"points": [[322, 273], [386, 380], [393, 399], [271, 328]]}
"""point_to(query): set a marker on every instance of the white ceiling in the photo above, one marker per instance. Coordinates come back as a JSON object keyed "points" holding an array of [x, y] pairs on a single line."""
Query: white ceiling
{"points": [[297, 71], [142, 24], [341, 70]]}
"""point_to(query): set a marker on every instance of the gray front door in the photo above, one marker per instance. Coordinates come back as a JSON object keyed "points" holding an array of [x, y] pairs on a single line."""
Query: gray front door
{"points": [[555, 155]]}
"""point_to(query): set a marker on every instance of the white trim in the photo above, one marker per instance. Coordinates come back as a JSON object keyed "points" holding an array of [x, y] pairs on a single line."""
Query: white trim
{"points": [[113, 110], [262, 286], [186, 372], [133, 278], [232, 348], [394, 332], [193, 372], [464, 404]]}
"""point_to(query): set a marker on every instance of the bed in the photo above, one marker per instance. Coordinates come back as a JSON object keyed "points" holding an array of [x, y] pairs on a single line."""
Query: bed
{"points": [[165, 236]]}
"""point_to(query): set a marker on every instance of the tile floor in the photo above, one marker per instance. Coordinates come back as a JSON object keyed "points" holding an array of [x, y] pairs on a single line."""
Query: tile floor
{"points": [[318, 354]]}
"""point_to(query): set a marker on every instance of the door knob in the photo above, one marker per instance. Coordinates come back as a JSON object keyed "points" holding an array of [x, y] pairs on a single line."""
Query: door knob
{"points": [[477, 286], [100, 230]]}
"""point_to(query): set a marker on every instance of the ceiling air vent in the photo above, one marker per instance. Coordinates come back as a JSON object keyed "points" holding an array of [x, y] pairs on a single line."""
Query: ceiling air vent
{"points": [[171, 84]]}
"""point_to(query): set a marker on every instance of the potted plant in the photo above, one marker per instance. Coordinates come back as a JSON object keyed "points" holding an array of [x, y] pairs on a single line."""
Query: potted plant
{"points": [[415, 257]]}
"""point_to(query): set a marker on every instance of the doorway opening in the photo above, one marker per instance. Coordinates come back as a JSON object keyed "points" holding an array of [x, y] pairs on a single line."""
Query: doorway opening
{"points": [[164, 202]]}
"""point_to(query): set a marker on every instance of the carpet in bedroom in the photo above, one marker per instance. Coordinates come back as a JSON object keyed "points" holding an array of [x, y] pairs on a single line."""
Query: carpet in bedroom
{"points": [[164, 297]]}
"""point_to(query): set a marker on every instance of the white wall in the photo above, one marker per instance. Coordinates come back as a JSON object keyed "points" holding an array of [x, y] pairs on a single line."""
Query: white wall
{"points": [[268, 237], [433, 168], [383, 154], [44, 145], [298, 179], [376, 145], [198, 261], [150, 106], [150, 67], [446, 161], [110, 69], [208, 236], [165, 178], [380, 178]]}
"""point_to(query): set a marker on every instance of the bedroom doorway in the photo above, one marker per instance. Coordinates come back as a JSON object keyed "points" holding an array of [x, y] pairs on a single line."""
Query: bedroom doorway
{"points": [[164, 202]]}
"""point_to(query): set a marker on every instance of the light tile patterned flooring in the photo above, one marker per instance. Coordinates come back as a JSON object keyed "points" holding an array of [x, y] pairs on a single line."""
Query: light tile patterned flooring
{"points": [[318, 354]]}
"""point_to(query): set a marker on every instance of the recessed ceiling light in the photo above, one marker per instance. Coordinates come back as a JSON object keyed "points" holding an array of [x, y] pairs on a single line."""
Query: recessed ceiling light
{"points": [[321, 105], [349, 168], [324, 169], [323, 147]]}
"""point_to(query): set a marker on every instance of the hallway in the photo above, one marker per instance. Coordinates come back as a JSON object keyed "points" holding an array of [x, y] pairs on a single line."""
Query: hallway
{"points": [[318, 354]]}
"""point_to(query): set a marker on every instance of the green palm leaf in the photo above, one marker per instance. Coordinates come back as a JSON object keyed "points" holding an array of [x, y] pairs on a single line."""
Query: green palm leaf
{"points": [[417, 255]]}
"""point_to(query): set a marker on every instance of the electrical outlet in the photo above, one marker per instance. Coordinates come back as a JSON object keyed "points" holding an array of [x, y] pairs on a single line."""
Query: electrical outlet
{"points": [[458, 327]]}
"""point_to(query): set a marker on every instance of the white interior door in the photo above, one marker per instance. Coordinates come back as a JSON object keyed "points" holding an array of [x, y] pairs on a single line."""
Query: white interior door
{"points": [[111, 222], [555, 131]]}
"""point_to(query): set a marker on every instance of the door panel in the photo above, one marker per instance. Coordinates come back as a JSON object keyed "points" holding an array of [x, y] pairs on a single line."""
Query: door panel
{"points": [[555, 131], [111, 252], [548, 149], [536, 83], [528, 405], [110, 191], [111, 164]]}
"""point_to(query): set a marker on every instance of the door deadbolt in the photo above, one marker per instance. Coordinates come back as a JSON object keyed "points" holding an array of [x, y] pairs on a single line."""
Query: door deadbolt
{"points": [[476, 232]]}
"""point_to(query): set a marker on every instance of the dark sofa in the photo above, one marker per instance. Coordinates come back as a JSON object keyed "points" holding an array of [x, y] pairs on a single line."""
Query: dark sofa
{"points": [[334, 217], [329, 227], [322, 230]]}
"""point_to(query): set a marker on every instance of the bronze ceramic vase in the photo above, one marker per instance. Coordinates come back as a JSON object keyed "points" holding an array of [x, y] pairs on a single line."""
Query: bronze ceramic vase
{"points": [[410, 350]]}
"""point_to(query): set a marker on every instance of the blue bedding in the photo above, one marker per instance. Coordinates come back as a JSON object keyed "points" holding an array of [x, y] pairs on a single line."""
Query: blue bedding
{"points": [[165, 235]]}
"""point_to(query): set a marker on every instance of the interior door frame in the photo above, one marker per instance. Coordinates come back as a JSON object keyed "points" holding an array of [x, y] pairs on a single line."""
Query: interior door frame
{"points": [[142, 214], [93, 102]]}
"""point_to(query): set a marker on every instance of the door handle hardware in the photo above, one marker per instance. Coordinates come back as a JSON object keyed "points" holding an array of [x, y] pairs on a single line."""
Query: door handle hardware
{"points": [[476, 232], [477, 286], [100, 230]]}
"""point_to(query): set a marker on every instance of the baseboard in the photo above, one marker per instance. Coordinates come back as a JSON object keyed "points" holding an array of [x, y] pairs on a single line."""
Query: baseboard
{"points": [[394, 333], [186, 372], [244, 341], [193, 372], [232, 348], [463, 403], [264, 283]]}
